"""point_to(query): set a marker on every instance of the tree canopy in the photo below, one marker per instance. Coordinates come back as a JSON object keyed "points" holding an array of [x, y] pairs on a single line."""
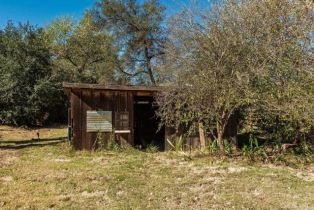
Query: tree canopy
{"points": [[241, 55], [81, 50], [28, 92], [138, 34]]}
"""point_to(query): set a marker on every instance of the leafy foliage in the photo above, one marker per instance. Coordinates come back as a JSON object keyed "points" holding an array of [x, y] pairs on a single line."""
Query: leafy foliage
{"points": [[81, 50], [240, 54], [137, 33], [29, 91]]}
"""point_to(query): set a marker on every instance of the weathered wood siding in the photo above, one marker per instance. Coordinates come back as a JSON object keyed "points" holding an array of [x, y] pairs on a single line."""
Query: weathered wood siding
{"points": [[83, 100]]}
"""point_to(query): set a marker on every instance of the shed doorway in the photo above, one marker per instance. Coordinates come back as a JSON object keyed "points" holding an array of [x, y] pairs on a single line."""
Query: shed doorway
{"points": [[146, 124]]}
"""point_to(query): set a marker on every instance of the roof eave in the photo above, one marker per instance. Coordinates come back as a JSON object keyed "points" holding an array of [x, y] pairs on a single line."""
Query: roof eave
{"points": [[111, 87]]}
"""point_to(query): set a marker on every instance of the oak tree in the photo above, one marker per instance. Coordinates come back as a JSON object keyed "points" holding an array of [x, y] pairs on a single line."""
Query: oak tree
{"points": [[138, 34]]}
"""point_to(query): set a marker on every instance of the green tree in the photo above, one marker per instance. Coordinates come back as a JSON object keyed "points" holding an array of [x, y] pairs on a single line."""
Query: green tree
{"points": [[246, 53], [82, 51], [283, 42], [25, 72], [138, 34]]}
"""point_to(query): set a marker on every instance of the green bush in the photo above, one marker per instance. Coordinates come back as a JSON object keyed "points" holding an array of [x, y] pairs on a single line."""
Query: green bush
{"points": [[30, 92]]}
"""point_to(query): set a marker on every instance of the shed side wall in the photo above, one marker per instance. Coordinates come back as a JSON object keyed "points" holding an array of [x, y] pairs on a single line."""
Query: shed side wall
{"points": [[83, 100]]}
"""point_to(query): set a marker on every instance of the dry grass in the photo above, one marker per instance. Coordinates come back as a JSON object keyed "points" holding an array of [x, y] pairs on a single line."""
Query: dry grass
{"points": [[56, 177], [13, 133]]}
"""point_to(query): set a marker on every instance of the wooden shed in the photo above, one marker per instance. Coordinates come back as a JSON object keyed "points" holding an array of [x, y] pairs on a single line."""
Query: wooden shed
{"points": [[125, 113]]}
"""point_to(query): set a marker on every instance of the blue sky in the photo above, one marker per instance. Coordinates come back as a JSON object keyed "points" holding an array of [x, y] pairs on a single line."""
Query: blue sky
{"points": [[42, 12]]}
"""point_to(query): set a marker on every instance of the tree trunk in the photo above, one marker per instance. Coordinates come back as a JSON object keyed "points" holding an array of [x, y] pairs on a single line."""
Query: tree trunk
{"points": [[220, 132], [148, 66], [231, 130], [202, 135]]}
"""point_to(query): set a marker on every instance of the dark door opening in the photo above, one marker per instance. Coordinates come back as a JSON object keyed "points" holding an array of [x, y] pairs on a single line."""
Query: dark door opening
{"points": [[146, 124]]}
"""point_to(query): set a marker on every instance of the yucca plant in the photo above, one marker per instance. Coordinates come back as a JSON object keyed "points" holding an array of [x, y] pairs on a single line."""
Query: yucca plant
{"points": [[252, 148], [228, 147], [213, 146], [177, 145]]}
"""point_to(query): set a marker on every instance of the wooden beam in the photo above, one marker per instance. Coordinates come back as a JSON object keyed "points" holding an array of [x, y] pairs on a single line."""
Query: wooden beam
{"points": [[111, 87]]}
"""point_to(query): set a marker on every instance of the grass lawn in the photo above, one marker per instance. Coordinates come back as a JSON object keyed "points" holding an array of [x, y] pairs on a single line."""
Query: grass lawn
{"points": [[51, 175]]}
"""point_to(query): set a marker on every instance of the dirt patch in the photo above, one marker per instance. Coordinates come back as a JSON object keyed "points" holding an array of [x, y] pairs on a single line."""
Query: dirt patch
{"points": [[236, 169], [61, 160], [7, 179], [7, 157], [307, 176], [217, 170]]}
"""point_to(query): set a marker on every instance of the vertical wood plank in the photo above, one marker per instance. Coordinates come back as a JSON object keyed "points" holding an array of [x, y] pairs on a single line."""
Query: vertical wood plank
{"points": [[87, 104], [131, 117], [76, 114], [96, 97]]}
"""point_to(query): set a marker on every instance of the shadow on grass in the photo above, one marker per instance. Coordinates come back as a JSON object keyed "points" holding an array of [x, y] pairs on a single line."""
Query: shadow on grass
{"points": [[15, 144]]}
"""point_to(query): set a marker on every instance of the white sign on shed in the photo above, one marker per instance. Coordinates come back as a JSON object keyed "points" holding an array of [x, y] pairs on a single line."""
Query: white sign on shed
{"points": [[99, 121]]}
